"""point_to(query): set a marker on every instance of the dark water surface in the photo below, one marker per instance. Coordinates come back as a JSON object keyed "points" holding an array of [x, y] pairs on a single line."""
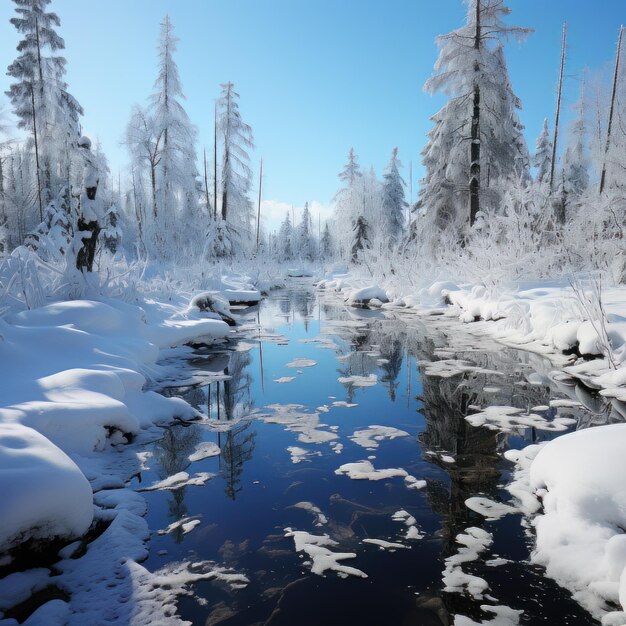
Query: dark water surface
{"points": [[245, 509]]}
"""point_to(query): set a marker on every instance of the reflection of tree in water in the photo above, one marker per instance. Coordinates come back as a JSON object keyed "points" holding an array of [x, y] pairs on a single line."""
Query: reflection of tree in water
{"points": [[172, 454], [390, 336], [232, 401], [299, 301], [357, 362]]}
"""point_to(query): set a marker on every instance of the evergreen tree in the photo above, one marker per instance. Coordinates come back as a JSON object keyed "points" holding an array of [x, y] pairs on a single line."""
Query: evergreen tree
{"points": [[285, 237], [576, 159], [476, 144], [542, 159], [326, 243], [394, 203], [41, 101], [348, 201], [236, 175], [305, 246]]}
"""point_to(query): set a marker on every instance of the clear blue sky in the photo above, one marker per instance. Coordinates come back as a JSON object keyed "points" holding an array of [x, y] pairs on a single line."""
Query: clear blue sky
{"points": [[315, 76]]}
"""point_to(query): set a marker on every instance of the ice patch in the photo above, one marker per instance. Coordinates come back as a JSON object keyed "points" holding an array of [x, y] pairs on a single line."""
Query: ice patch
{"points": [[302, 362], [370, 437], [204, 450], [364, 470], [359, 381]]}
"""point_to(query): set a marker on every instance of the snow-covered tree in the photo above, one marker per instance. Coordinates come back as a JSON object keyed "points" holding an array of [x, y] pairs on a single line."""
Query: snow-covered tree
{"points": [[542, 158], [393, 202], [360, 238], [161, 141], [236, 175], [347, 200], [285, 240], [476, 144], [326, 243], [305, 244], [41, 100]]}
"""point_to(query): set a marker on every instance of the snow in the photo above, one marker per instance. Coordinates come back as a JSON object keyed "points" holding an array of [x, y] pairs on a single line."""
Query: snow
{"points": [[204, 450], [322, 558], [385, 545], [300, 454], [44, 493], [473, 542], [364, 470], [511, 419], [363, 296], [504, 616], [580, 532], [488, 508], [370, 437], [296, 418]]}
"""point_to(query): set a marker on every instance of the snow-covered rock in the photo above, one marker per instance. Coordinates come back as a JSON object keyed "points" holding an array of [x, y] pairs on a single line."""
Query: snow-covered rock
{"points": [[44, 494]]}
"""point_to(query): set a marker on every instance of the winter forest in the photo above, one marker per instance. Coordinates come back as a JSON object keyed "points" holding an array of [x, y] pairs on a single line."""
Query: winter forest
{"points": [[404, 406]]}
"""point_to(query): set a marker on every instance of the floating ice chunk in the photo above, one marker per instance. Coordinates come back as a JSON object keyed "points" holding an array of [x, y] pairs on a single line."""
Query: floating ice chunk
{"points": [[359, 381], [414, 483], [504, 616], [474, 541], [179, 480], [302, 362], [187, 524], [364, 470], [370, 437], [204, 450], [323, 559], [446, 368], [405, 517], [511, 419], [295, 418], [284, 379], [300, 454], [385, 545], [488, 508]]}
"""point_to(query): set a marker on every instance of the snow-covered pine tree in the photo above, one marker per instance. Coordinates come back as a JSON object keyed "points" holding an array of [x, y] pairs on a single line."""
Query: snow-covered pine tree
{"points": [[236, 175], [41, 101], [360, 239], [347, 201], [393, 203], [477, 141], [305, 247], [285, 237], [542, 158], [176, 172], [326, 243]]}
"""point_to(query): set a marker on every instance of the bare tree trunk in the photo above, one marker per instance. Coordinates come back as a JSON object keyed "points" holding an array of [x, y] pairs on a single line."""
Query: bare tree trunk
{"points": [[558, 107], [474, 183], [32, 102], [215, 161], [226, 170], [258, 216], [612, 110], [153, 185], [206, 186]]}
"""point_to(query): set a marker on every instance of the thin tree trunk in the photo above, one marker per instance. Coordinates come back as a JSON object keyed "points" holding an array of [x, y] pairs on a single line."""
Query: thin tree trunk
{"points": [[153, 184], [612, 110], [474, 183], [215, 161], [206, 186], [32, 101], [226, 170], [258, 215], [558, 107]]}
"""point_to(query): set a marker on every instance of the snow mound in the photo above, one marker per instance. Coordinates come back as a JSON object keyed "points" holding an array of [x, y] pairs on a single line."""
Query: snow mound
{"points": [[361, 297], [44, 494], [580, 536]]}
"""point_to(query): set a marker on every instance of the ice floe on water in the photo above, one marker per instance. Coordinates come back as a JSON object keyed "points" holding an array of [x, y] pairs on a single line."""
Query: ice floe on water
{"points": [[302, 362], [511, 419], [473, 542], [385, 545], [488, 508], [503, 616], [300, 454], [186, 524], [364, 470], [316, 547], [359, 381], [296, 418], [284, 379], [446, 368], [410, 522], [370, 437], [204, 450], [413, 483], [179, 480]]}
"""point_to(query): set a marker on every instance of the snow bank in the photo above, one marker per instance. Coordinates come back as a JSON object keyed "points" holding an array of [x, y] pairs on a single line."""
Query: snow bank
{"points": [[44, 494], [75, 386], [581, 538], [362, 297]]}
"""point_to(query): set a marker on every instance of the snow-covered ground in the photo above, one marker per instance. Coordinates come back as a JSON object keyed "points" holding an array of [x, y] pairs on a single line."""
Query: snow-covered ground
{"points": [[76, 405]]}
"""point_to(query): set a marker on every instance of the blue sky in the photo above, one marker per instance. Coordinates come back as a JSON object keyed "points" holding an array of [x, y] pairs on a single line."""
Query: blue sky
{"points": [[315, 76]]}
